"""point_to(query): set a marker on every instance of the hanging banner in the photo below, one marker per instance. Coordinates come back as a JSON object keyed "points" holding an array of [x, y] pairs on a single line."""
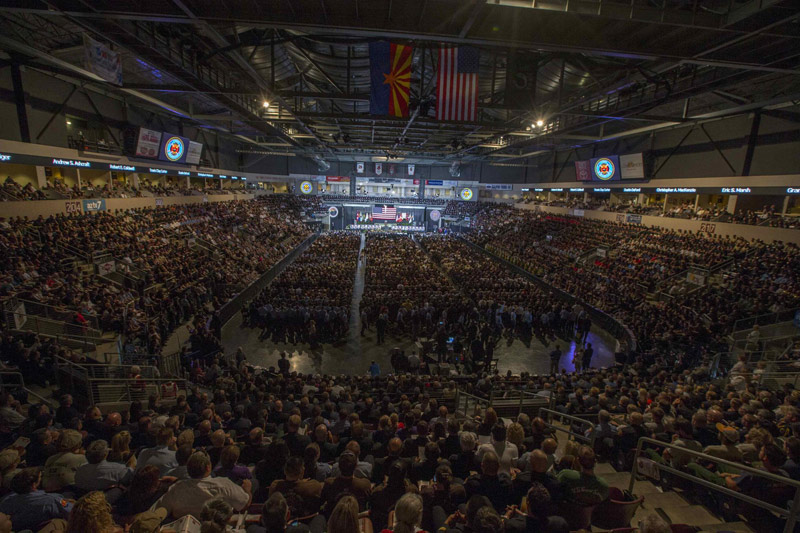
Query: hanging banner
{"points": [[102, 61], [583, 171], [631, 166], [411, 170], [360, 167], [378, 168], [147, 143]]}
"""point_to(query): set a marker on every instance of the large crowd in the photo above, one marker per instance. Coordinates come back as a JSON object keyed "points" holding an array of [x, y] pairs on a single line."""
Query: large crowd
{"points": [[278, 451], [636, 260], [310, 300], [171, 262], [267, 450]]}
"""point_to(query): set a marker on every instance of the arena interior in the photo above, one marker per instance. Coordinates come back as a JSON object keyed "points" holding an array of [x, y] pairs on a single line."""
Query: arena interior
{"points": [[355, 266]]}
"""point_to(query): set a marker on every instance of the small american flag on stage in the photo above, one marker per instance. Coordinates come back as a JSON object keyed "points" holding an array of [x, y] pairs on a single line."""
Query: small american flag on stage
{"points": [[457, 84], [387, 212]]}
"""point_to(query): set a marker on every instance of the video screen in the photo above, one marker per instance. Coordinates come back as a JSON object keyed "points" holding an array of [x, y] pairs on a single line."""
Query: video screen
{"points": [[385, 216]]}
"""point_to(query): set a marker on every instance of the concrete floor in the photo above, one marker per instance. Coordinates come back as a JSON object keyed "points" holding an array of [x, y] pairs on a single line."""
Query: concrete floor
{"points": [[354, 355]]}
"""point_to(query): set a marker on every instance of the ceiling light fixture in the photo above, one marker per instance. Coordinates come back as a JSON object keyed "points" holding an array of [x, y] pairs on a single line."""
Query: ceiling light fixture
{"points": [[540, 123], [265, 104]]}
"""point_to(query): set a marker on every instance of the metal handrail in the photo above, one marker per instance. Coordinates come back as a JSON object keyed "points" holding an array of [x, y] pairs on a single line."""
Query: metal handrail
{"points": [[590, 439], [762, 321], [791, 513]]}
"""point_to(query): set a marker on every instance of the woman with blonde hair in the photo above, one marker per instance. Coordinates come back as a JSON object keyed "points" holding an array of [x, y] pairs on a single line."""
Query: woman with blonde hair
{"points": [[185, 438], [92, 514], [121, 449], [344, 518], [407, 514], [515, 434]]}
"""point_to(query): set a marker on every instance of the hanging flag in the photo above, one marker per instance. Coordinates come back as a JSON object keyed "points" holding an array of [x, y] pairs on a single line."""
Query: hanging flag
{"points": [[410, 170], [101, 60], [521, 69], [390, 77], [457, 84], [378, 168], [360, 167]]}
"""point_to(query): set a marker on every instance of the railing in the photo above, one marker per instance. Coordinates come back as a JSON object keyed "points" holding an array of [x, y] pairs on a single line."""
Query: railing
{"points": [[470, 405], [114, 391], [602, 319], [53, 328], [791, 513], [55, 313], [15, 380], [549, 415], [765, 319], [237, 302]]}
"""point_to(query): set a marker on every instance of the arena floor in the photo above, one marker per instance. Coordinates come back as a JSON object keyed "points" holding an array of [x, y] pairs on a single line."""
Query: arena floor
{"points": [[354, 354]]}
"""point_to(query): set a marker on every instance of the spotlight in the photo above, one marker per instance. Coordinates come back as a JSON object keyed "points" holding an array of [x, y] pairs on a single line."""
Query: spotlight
{"points": [[539, 123], [69, 123], [265, 104]]}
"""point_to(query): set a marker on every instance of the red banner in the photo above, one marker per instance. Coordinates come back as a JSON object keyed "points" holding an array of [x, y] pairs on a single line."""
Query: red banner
{"points": [[339, 179]]}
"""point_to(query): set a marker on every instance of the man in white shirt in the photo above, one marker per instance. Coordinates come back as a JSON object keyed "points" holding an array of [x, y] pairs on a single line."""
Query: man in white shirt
{"points": [[188, 497]]}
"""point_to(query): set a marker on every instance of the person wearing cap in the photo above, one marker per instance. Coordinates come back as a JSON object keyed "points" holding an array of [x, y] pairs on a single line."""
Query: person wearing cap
{"points": [[59, 470], [727, 450], [98, 473], [30, 507]]}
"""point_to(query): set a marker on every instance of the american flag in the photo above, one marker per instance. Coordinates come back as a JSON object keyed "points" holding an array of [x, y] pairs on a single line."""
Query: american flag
{"points": [[387, 212], [457, 84]]}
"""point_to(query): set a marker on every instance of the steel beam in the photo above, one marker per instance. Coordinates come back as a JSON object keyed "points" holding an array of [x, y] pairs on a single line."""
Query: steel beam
{"points": [[19, 100]]}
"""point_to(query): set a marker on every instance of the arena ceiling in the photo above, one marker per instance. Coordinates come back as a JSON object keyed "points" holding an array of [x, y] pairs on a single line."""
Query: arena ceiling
{"points": [[602, 68]]}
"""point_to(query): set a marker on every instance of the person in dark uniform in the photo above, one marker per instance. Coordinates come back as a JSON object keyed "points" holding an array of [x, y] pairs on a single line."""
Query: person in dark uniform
{"points": [[283, 364], [380, 325], [555, 357], [587, 356]]}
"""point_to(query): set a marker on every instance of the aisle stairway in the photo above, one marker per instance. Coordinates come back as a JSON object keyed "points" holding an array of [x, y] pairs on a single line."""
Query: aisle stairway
{"points": [[673, 506]]}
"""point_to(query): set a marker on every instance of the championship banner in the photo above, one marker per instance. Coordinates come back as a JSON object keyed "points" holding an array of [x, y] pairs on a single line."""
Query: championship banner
{"points": [[102, 61], [411, 169], [378, 168], [360, 167]]}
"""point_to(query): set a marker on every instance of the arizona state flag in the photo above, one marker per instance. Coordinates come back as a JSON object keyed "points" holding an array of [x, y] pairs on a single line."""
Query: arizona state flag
{"points": [[390, 75]]}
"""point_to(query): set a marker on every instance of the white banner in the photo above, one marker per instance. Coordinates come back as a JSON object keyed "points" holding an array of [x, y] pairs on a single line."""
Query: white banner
{"points": [[102, 61], [148, 143], [411, 169], [378, 168], [632, 166], [193, 152], [360, 167], [106, 267], [696, 278]]}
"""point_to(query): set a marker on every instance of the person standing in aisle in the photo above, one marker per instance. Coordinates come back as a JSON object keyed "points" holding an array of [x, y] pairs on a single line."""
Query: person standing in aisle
{"points": [[555, 357], [380, 325]]}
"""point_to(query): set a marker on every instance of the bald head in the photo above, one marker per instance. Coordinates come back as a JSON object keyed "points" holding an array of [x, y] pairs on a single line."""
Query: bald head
{"points": [[538, 461]]}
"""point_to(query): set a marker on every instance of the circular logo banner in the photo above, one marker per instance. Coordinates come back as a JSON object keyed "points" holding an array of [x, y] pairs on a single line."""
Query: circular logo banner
{"points": [[306, 187], [466, 194], [435, 215], [174, 148], [333, 211], [604, 169]]}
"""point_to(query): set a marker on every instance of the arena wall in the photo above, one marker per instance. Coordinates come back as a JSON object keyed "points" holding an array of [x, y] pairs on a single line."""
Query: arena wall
{"points": [[762, 233], [47, 208]]}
